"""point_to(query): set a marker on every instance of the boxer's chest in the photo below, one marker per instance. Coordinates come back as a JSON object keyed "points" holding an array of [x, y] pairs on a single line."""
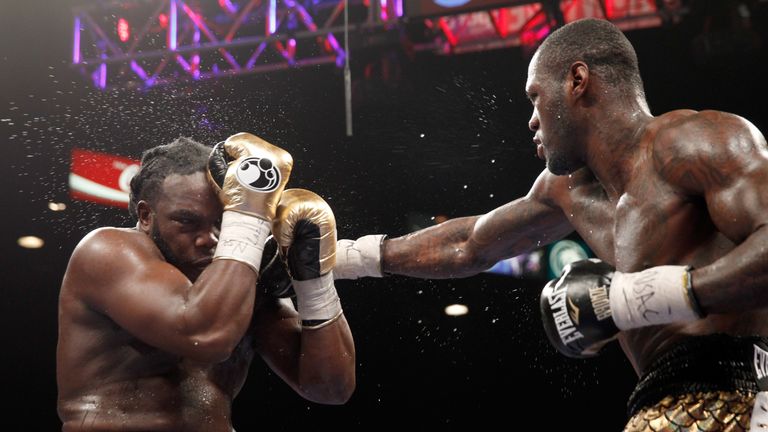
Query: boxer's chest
{"points": [[648, 225]]}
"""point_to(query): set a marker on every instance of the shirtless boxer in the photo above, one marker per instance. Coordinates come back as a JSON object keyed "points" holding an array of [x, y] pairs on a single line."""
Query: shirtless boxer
{"points": [[159, 323], [675, 206]]}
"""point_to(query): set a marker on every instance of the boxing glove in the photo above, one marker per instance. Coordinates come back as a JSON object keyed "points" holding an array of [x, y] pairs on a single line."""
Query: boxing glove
{"points": [[305, 229], [249, 175], [590, 302]]}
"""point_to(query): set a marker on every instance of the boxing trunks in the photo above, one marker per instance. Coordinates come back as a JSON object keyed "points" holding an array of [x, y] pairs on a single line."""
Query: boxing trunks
{"points": [[704, 383]]}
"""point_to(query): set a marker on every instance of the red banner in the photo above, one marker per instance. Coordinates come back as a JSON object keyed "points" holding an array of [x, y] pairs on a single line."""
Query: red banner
{"points": [[101, 177]]}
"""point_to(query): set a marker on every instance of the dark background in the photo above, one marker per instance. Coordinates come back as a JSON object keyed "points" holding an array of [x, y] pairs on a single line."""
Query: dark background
{"points": [[416, 366]]}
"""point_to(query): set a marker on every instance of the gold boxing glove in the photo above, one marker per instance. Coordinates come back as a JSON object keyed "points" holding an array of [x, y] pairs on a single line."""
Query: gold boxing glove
{"points": [[305, 229], [248, 175]]}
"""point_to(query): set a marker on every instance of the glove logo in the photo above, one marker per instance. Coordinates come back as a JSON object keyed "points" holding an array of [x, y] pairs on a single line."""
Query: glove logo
{"points": [[562, 316], [258, 174]]}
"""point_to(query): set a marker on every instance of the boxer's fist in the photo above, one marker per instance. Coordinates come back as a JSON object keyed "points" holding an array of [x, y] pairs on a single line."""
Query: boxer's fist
{"points": [[274, 279], [249, 174], [590, 303], [576, 310], [305, 229]]}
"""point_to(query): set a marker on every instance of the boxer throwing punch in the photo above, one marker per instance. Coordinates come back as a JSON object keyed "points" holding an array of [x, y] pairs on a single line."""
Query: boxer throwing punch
{"points": [[676, 208], [159, 323]]}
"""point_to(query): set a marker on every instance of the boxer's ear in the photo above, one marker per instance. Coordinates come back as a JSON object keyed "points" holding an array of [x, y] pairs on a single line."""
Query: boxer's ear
{"points": [[145, 215], [578, 79]]}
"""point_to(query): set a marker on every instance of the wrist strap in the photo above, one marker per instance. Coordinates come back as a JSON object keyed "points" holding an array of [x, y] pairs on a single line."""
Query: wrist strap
{"points": [[318, 324], [317, 299], [359, 258], [242, 238], [658, 295]]}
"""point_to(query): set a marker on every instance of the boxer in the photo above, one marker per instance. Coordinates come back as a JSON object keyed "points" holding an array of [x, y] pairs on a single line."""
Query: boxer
{"points": [[676, 208]]}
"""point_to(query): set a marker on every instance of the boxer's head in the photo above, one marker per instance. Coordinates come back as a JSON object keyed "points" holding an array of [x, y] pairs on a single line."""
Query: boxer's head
{"points": [[174, 204], [570, 60]]}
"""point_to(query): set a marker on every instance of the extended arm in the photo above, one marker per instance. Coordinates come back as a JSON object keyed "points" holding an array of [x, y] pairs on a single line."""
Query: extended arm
{"points": [[466, 246]]}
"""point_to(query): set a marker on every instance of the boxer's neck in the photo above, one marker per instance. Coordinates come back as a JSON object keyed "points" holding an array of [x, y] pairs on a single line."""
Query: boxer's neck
{"points": [[613, 144]]}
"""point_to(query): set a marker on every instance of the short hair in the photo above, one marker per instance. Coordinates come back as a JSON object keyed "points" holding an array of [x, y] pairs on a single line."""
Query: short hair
{"points": [[598, 43], [182, 156]]}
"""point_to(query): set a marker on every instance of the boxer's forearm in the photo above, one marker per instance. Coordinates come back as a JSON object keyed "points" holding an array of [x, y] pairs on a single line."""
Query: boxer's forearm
{"points": [[217, 310], [738, 281], [442, 251], [327, 363]]}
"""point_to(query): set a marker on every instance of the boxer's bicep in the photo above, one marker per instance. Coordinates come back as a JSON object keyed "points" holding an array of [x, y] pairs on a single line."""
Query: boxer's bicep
{"points": [[738, 201], [522, 225], [142, 294], [728, 168], [741, 208], [722, 158], [131, 284]]}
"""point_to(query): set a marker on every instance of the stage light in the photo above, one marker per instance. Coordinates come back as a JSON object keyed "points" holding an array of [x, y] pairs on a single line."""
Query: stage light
{"points": [[456, 310], [30, 242], [123, 30], [54, 206]]}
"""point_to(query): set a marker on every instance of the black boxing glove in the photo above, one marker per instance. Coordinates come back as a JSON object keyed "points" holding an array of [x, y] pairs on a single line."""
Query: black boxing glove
{"points": [[590, 302], [576, 310], [274, 279]]}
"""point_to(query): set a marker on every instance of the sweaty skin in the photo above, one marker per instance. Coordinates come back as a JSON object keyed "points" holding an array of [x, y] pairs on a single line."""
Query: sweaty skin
{"points": [[146, 345], [682, 188]]}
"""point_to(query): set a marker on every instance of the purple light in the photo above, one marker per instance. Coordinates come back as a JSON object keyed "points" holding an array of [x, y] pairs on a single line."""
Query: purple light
{"points": [[138, 70], [272, 13], [256, 54], [183, 63], [227, 6], [335, 45], [172, 27], [102, 84], [196, 66], [399, 8], [76, 45]]}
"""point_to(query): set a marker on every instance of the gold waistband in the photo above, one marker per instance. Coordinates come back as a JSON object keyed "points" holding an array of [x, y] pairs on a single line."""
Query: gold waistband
{"points": [[700, 412]]}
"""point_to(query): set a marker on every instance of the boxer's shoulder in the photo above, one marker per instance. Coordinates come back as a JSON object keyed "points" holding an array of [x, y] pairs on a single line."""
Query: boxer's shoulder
{"points": [[108, 238], [688, 133], [107, 248], [691, 149]]}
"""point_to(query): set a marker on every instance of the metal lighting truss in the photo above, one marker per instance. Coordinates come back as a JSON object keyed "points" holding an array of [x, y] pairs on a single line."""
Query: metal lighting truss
{"points": [[144, 43], [192, 40]]}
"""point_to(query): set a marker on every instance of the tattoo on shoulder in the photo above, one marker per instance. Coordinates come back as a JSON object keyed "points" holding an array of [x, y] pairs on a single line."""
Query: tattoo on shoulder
{"points": [[688, 160]]}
